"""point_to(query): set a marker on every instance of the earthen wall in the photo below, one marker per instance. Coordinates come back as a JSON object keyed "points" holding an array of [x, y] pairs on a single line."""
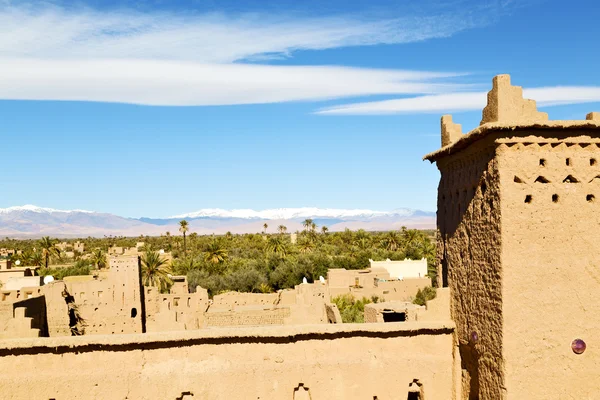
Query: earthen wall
{"points": [[345, 361], [550, 187], [175, 311], [469, 253]]}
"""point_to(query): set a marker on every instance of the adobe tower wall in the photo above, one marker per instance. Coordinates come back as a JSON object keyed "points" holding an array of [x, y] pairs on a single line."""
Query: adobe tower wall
{"points": [[550, 187], [469, 252]]}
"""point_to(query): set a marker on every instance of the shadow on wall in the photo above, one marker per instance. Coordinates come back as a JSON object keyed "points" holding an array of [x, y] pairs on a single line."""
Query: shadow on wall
{"points": [[76, 322], [469, 360], [464, 189]]}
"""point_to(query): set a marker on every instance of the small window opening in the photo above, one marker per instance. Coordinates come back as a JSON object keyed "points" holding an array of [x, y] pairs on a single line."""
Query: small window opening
{"points": [[592, 162], [555, 198], [528, 199], [133, 312], [590, 198], [391, 316], [568, 161], [483, 188], [542, 162], [541, 179], [518, 180], [570, 179], [414, 396], [415, 390]]}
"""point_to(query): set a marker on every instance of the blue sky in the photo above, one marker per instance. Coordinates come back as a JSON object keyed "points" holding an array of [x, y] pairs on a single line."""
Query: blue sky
{"points": [[156, 108]]}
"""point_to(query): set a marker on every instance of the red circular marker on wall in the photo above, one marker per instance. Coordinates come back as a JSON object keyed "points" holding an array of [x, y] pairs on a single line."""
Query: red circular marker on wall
{"points": [[578, 346]]}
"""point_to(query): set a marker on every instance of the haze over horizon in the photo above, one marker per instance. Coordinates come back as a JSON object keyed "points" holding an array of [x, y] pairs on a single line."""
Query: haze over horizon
{"points": [[155, 109], [31, 221], [275, 213]]}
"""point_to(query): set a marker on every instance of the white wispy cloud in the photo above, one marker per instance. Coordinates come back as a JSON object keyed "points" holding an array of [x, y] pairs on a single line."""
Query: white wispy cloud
{"points": [[55, 32], [465, 101], [151, 82], [55, 53]]}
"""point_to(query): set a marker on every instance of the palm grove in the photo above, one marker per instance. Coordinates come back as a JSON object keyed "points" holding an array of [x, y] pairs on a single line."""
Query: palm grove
{"points": [[263, 262]]}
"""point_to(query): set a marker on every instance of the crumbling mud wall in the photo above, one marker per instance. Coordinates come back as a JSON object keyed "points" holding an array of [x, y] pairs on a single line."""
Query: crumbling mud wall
{"points": [[345, 361], [550, 187], [469, 252], [175, 311]]}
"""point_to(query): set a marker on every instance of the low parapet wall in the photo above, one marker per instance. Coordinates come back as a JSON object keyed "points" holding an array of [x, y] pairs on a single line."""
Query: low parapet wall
{"points": [[346, 361]]}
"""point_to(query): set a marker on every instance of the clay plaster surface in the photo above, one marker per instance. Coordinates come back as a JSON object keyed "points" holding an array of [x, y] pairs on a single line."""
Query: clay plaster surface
{"points": [[350, 361], [551, 271]]}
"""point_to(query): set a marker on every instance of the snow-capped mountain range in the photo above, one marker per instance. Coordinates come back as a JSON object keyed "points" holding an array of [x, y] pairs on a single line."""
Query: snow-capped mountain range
{"points": [[34, 221], [292, 213], [36, 209]]}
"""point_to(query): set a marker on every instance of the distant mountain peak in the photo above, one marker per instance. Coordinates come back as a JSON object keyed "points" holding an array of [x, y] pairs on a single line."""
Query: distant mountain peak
{"points": [[36, 209]]}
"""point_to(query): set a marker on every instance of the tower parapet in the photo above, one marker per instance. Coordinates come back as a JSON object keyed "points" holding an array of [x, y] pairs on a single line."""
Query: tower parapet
{"points": [[593, 116], [451, 132], [505, 103]]}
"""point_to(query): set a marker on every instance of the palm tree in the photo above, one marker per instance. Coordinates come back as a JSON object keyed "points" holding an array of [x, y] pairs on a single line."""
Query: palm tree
{"points": [[391, 241], [48, 248], [347, 236], [411, 237], [305, 245], [155, 270], [324, 229], [277, 245], [30, 257], [282, 229], [177, 241], [98, 258], [361, 233], [428, 250], [184, 265], [36, 259], [265, 288], [363, 243], [214, 253], [307, 223], [313, 226], [265, 226], [183, 228]]}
